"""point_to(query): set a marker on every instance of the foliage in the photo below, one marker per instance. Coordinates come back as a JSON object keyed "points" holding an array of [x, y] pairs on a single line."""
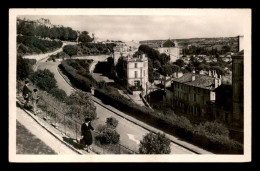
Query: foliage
{"points": [[157, 64], [213, 128], [164, 59], [179, 62], [150, 71], [58, 94], [108, 136], [155, 144], [29, 45], [166, 70], [24, 68], [219, 70], [44, 79], [61, 33], [70, 50], [84, 37], [121, 68], [112, 122], [80, 78], [95, 48], [82, 106]]}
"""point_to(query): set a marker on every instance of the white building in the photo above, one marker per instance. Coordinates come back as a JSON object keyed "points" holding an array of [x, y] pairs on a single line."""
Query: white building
{"points": [[170, 48], [137, 73]]}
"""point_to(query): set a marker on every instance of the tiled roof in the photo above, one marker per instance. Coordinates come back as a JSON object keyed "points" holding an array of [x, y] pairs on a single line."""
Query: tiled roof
{"points": [[202, 81]]}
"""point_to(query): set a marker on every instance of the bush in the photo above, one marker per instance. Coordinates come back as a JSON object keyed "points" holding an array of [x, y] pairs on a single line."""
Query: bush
{"points": [[155, 144], [58, 93], [108, 136], [213, 128], [44, 79], [82, 106], [81, 82], [23, 68], [30, 45], [112, 122]]}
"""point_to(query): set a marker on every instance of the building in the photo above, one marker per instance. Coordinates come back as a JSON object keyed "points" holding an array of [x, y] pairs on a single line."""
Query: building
{"points": [[241, 44], [194, 93], [238, 88], [222, 108], [137, 73], [170, 48], [120, 50]]}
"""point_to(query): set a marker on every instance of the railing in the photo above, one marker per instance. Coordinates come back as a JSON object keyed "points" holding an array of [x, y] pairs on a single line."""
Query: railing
{"points": [[71, 127]]}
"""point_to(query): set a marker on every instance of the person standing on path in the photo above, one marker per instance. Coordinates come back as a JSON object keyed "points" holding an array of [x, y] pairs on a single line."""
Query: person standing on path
{"points": [[26, 93], [86, 128], [35, 98]]}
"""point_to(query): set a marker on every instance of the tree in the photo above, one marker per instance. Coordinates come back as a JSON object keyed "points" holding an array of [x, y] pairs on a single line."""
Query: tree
{"points": [[157, 64], [82, 105], [166, 70], [70, 50], [155, 144], [175, 68], [164, 58], [179, 62], [121, 68], [112, 122], [44, 79], [23, 69], [150, 71], [84, 37]]}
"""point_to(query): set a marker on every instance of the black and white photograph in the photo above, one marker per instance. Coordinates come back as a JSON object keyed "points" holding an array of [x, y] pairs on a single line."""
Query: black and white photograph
{"points": [[129, 85]]}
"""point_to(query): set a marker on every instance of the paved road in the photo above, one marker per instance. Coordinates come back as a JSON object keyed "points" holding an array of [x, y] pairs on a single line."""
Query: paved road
{"points": [[130, 133], [42, 134]]}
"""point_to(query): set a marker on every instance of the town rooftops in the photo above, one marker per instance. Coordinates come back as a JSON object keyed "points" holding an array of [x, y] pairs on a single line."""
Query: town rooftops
{"points": [[201, 81]]}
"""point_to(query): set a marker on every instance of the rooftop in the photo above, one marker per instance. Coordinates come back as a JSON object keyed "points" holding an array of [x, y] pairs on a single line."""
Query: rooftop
{"points": [[201, 81]]}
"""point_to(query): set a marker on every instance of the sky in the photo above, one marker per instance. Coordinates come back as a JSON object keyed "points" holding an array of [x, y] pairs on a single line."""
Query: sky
{"points": [[151, 27]]}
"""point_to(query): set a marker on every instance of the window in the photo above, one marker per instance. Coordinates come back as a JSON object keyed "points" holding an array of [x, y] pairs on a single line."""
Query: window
{"points": [[144, 72], [194, 97], [136, 74], [135, 65], [137, 83]]}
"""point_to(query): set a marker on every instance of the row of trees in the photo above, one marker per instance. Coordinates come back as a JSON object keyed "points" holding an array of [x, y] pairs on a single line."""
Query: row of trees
{"points": [[29, 45], [197, 50], [32, 29]]}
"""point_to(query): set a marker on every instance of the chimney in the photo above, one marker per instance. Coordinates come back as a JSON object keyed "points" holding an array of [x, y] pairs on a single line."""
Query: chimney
{"points": [[209, 73], [175, 75], [219, 82], [216, 82], [143, 56], [193, 77], [193, 71]]}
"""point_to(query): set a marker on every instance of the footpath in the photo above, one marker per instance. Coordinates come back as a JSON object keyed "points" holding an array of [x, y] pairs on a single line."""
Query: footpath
{"points": [[46, 133]]}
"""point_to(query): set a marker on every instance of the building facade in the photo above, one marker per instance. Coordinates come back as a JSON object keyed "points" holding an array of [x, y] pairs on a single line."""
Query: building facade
{"points": [[222, 108], [170, 48], [238, 88], [193, 93], [137, 73]]}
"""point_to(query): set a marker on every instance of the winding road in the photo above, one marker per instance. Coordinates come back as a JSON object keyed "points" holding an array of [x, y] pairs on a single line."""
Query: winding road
{"points": [[130, 133]]}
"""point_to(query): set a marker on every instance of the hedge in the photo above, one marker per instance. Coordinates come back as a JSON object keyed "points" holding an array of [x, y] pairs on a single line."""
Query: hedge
{"points": [[77, 80]]}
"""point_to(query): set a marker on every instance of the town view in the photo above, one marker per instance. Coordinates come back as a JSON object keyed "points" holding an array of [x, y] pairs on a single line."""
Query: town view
{"points": [[120, 89]]}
